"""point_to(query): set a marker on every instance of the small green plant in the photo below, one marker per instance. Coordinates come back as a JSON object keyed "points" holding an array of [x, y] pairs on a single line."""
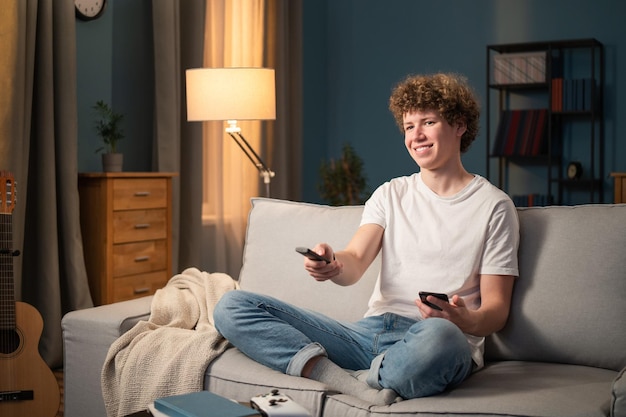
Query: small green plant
{"points": [[108, 126], [343, 182]]}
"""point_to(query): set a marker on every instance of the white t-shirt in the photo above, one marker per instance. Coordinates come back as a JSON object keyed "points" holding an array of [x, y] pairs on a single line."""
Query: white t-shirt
{"points": [[440, 244]]}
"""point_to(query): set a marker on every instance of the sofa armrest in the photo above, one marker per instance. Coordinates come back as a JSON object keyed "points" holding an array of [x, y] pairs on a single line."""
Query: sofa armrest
{"points": [[87, 336], [618, 395]]}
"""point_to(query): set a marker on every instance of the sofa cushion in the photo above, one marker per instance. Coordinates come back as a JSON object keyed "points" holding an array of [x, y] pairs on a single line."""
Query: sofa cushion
{"points": [[568, 302], [618, 395], [275, 268], [502, 389]]}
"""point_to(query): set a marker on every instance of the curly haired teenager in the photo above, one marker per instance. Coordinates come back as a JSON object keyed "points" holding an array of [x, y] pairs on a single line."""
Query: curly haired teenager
{"points": [[441, 229]]}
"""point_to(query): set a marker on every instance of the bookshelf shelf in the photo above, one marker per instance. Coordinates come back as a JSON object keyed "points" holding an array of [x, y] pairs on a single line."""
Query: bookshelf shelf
{"points": [[544, 110], [519, 86], [536, 160]]}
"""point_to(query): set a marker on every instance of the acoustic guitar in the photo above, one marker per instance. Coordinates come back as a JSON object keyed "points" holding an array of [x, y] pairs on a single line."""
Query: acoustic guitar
{"points": [[27, 385]]}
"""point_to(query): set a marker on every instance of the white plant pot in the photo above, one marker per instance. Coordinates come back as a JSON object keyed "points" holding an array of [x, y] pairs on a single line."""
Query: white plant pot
{"points": [[112, 162]]}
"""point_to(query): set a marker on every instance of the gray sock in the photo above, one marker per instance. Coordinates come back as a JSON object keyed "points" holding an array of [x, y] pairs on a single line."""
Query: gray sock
{"points": [[338, 379], [361, 374]]}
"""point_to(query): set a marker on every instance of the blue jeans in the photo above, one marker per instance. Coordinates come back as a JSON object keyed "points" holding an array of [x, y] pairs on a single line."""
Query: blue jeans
{"points": [[414, 358]]}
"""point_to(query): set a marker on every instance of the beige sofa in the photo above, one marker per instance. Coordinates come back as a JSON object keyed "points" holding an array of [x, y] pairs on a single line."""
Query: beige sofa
{"points": [[562, 352]]}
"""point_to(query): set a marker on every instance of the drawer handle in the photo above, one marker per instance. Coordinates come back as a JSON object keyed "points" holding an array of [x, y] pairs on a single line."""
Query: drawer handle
{"points": [[142, 226], [142, 258], [141, 290], [142, 193]]}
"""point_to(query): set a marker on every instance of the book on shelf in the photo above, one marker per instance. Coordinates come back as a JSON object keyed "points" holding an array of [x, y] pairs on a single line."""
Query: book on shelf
{"points": [[521, 133], [572, 95], [557, 94], [201, 404]]}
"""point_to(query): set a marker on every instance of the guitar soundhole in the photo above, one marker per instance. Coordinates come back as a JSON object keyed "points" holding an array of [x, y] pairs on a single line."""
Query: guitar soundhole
{"points": [[9, 341]]}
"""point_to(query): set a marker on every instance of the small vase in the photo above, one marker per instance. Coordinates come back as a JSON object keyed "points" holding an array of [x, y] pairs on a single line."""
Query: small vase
{"points": [[112, 162]]}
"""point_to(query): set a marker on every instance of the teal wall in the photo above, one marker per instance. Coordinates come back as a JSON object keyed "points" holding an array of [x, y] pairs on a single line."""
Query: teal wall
{"points": [[354, 52], [114, 59]]}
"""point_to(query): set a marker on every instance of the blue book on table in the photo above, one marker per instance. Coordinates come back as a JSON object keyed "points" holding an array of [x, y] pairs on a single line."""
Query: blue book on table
{"points": [[202, 404]]}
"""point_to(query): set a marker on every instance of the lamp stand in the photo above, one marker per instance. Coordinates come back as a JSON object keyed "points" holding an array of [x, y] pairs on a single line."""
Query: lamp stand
{"points": [[235, 132]]}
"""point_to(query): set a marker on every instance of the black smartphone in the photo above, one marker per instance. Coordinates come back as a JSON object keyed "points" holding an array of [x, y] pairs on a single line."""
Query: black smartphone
{"points": [[310, 254], [441, 296]]}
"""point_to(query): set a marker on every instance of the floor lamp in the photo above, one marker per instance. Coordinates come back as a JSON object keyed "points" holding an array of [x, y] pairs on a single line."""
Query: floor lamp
{"points": [[233, 94]]}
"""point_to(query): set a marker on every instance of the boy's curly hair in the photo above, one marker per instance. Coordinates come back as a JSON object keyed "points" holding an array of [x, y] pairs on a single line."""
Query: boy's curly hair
{"points": [[448, 94]]}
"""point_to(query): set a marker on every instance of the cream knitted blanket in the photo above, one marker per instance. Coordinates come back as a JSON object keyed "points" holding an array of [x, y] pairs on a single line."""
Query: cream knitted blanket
{"points": [[169, 353]]}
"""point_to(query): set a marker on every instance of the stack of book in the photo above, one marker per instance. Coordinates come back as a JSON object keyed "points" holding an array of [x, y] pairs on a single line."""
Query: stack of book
{"points": [[522, 133], [572, 94]]}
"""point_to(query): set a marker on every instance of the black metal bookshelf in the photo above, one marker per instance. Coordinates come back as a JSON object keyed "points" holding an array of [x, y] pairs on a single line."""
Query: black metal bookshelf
{"points": [[568, 82]]}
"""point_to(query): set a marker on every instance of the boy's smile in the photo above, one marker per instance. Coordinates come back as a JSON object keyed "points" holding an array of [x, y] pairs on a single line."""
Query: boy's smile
{"points": [[431, 141]]}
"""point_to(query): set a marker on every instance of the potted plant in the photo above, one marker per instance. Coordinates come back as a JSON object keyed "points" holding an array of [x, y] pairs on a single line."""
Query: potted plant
{"points": [[343, 182], [108, 127]]}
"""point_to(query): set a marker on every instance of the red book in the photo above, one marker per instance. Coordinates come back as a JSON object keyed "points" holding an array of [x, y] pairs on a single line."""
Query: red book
{"points": [[529, 121], [540, 131], [509, 148]]}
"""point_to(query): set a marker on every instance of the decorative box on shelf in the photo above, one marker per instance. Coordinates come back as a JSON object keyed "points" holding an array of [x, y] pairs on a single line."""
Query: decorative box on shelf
{"points": [[126, 224], [519, 68]]}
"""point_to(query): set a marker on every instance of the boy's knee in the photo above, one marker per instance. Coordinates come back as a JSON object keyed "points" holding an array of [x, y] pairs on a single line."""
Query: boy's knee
{"points": [[438, 329], [438, 351], [444, 335], [223, 310]]}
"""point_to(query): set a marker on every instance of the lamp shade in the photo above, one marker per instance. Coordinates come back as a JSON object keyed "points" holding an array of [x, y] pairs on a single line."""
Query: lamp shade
{"points": [[231, 94]]}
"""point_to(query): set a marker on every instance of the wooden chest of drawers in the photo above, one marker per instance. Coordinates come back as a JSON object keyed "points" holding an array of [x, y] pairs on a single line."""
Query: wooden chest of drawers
{"points": [[126, 221]]}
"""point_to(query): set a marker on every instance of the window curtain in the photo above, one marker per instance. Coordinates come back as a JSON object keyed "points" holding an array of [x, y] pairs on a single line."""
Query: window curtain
{"points": [[178, 29], [283, 51], [38, 144], [250, 33]]}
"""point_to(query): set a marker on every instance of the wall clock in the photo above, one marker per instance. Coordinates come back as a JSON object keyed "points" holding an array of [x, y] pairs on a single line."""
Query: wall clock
{"points": [[574, 170], [89, 9]]}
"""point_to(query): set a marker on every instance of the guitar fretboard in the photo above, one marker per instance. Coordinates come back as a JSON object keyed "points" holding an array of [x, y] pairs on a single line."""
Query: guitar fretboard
{"points": [[7, 287]]}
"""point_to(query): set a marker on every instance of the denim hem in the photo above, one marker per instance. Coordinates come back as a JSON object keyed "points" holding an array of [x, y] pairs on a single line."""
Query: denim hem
{"points": [[372, 375], [297, 362]]}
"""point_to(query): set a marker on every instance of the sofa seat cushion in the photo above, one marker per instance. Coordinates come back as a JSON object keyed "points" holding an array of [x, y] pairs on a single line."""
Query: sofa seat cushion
{"points": [[233, 375], [503, 389]]}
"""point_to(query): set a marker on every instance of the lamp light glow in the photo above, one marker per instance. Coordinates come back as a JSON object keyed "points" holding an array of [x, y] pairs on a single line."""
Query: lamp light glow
{"points": [[233, 94]]}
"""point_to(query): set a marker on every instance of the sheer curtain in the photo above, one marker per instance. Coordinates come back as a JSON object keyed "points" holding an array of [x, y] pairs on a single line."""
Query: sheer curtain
{"points": [[250, 33], [233, 38]]}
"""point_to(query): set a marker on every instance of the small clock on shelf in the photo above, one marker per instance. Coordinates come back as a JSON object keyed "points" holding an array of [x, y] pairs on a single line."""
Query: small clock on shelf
{"points": [[89, 9], [574, 170]]}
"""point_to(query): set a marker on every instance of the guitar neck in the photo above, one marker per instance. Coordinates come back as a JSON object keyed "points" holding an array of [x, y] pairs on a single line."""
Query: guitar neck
{"points": [[7, 286]]}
